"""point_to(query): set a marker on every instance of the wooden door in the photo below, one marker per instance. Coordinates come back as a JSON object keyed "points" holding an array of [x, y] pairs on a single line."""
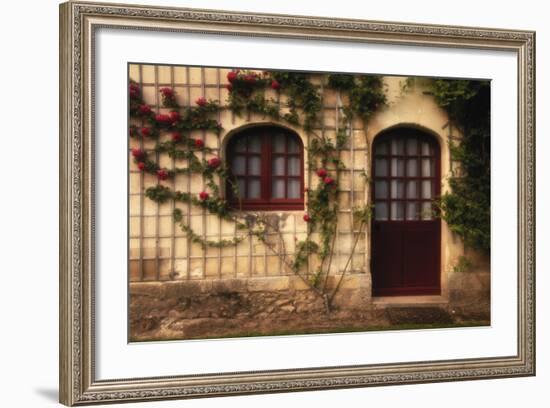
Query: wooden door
{"points": [[406, 234]]}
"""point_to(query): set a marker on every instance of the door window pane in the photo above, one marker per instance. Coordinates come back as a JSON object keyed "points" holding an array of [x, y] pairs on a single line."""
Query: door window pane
{"points": [[412, 211], [254, 188], [397, 189], [382, 148], [397, 147], [381, 211], [293, 166], [426, 189], [427, 168], [426, 150], [397, 167], [426, 211], [381, 189], [397, 211], [278, 166], [293, 188], [254, 166], [279, 143], [278, 188], [293, 145], [381, 167], [412, 168], [238, 165], [412, 147], [412, 189]]}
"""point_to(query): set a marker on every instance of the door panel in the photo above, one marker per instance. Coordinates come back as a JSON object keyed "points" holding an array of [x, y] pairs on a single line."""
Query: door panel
{"points": [[406, 234]]}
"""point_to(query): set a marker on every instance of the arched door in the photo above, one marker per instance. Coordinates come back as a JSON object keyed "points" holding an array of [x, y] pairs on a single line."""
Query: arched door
{"points": [[406, 235]]}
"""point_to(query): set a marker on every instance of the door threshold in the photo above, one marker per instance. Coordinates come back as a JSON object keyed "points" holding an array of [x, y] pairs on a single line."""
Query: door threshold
{"points": [[415, 300]]}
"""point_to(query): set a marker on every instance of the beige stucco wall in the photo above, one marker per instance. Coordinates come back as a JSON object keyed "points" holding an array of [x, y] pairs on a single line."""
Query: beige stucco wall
{"points": [[163, 251]]}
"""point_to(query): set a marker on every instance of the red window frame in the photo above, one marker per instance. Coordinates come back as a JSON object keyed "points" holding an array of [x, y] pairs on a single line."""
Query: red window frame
{"points": [[267, 154]]}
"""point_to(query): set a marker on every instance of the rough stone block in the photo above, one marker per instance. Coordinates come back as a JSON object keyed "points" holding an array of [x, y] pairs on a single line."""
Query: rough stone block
{"points": [[268, 284]]}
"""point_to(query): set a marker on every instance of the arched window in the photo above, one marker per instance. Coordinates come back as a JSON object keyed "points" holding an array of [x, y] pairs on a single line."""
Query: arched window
{"points": [[267, 165]]}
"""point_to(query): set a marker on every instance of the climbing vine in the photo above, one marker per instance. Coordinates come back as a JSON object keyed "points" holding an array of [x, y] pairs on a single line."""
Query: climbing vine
{"points": [[467, 207], [247, 93]]}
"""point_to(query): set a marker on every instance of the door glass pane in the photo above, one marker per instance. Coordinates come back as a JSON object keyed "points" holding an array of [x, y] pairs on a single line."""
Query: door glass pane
{"points": [[293, 166], [254, 166], [397, 146], [427, 168], [397, 211], [278, 188], [397, 189], [278, 166], [412, 211], [412, 147], [381, 167], [279, 143], [412, 168], [293, 145], [426, 211], [381, 189], [381, 211], [412, 189], [293, 188], [426, 189], [254, 188], [238, 165], [397, 167], [426, 150], [382, 148], [254, 144]]}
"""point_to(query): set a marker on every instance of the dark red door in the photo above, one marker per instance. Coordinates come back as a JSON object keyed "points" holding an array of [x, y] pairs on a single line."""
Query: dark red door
{"points": [[406, 236]]}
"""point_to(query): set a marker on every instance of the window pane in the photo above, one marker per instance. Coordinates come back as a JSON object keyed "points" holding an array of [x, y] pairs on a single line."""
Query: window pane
{"points": [[278, 166], [238, 165], [381, 189], [397, 146], [381, 167], [279, 143], [241, 183], [412, 211], [278, 188], [254, 144], [382, 148], [293, 145], [381, 211], [426, 189], [397, 211], [426, 150], [254, 188], [426, 211], [397, 189], [412, 147], [254, 167], [412, 168], [293, 166], [412, 189], [293, 188], [240, 144], [397, 167], [427, 168]]}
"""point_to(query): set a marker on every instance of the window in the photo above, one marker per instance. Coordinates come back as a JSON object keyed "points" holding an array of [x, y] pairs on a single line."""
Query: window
{"points": [[267, 165]]}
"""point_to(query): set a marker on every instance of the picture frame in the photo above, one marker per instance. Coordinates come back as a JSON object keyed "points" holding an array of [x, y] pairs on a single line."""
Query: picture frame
{"points": [[79, 24]]}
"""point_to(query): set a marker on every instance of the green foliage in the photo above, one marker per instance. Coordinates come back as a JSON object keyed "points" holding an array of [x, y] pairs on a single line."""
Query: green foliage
{"points": [[463, 264], [467, 208], [341, 82], [367, 96]]}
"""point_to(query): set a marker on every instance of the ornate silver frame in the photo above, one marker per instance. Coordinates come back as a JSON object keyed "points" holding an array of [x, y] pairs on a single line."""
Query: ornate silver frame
{"points": [[78, 22]]}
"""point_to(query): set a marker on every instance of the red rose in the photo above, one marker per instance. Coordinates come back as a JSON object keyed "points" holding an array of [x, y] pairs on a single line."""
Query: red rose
{"points": [[138, 153], [144, 109], [163, 118], [134, 90], [231, 76], [328, 180], [201, 101], [162, 174], [322, 173], [167, 92], [203, 195], [145, 131], [174, 116], [229, 87], [307, 218], [275, 84], [176, 136], [214, 162], [141, 166], [199, 143]]}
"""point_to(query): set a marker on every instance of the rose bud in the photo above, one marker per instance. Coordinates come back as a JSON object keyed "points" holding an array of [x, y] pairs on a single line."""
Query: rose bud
{"points": [[322, 173], [167, 92], [141, 166], [214, 162], [328, 180], [162, 174], [201, 101], [275, 84], [144, 109], [203, 195], [145, 131], [231, 76], [199, 144], [137, 153], [307, 218], [174, 116], [176, 136]]}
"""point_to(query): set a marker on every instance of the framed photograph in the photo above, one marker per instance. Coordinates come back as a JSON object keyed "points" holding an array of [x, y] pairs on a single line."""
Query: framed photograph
{"points": [[256, 203]]}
